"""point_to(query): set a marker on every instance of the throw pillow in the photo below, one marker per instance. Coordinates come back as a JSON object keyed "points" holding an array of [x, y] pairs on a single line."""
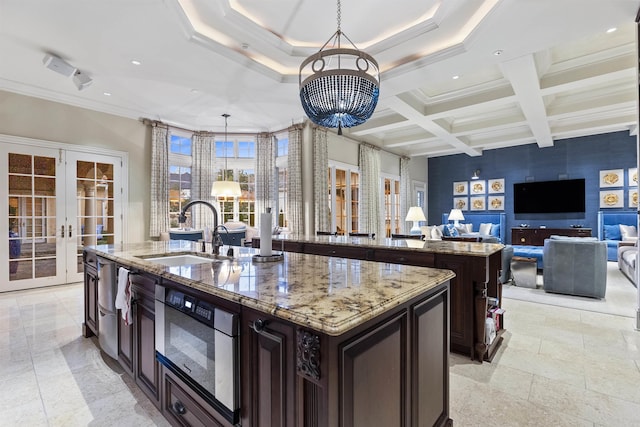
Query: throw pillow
{"points": [[612, 232], [628, 232], [450, 231], [436, 233], [485, 229], [461, 229], [426, 230], [495, 230]]}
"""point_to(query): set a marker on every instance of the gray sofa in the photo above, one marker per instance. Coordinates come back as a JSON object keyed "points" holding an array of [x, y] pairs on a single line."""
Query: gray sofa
{"points": [[575, 266], [627, 261]]}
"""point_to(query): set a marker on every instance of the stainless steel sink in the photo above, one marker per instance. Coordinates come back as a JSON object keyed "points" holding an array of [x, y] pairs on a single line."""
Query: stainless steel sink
{"points": [[178, 260]]}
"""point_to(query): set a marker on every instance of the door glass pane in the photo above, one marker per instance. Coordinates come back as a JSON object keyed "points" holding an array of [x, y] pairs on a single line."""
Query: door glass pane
{"points": [[95, 210], [32, 222]]}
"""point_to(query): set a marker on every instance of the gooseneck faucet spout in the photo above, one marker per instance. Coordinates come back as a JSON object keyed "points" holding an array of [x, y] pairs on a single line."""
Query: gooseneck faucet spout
{"points": [[182, 218]]}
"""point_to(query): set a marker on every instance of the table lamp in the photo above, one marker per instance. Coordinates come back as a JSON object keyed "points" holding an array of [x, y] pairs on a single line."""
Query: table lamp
{"points": [[415, 214], [455, 215]]}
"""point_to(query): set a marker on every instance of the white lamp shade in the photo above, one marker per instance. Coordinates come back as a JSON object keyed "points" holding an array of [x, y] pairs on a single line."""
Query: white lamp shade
{"points": [[455, 215], [415, 214], [226, 189]]}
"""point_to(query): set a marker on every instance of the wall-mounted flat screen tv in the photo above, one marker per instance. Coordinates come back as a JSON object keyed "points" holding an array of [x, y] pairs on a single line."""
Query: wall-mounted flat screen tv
{"points": [[562, 196]]}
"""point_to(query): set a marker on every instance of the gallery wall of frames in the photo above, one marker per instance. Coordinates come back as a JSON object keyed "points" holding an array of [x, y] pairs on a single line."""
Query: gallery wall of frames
{"points": [[607, 162]]}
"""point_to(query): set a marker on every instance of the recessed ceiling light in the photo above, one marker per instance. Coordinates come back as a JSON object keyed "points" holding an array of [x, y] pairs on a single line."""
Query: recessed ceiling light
{"points": [[455, 77], [611, 30], [136, 62], [106, 93], [194, 90], [498, 52]]}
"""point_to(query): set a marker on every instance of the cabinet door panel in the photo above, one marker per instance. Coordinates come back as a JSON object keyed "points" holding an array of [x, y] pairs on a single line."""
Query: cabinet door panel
{"points": [[375, 368], [270, 366]]}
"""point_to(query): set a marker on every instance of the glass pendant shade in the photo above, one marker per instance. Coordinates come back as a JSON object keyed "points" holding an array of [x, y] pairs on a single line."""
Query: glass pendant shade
{"points": [[340, 97]]}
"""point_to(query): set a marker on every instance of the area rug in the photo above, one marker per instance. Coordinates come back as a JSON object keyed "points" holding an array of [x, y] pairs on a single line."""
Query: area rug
{"points": [[620, 298]]}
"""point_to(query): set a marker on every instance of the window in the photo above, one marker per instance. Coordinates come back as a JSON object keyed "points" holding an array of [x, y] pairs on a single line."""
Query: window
{"points": [[246, 149], [283, 146], [180, 145], [282, 197], [179, 176], [247, 202], [392, 206], [344, 198], [224, 149]]}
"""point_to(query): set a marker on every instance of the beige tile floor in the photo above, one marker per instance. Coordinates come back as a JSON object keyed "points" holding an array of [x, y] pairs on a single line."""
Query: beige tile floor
{"points": [[557, 367]]}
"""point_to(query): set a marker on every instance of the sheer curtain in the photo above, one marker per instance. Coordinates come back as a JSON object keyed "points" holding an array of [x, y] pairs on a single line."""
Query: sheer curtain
{"points": [[295, 207], [159, 221], [406, 193], [203, 174], [371, 209], [265, 170], [321, 179]]}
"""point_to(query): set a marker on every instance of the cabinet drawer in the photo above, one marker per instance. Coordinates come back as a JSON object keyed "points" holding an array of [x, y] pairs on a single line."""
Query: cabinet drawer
{"points": [[423, 259], [182, 408], [335, 251]]}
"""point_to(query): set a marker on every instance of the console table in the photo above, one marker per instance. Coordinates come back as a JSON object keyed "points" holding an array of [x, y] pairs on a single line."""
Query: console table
{"points": [[526, 236]]}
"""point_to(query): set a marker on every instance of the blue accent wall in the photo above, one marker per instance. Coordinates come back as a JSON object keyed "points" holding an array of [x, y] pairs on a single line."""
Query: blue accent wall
{"points": [[582, 157]]}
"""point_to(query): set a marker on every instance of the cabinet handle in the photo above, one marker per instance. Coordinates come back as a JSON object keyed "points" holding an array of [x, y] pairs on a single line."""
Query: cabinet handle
{"points": [[179, 408], [259, 325], [402, 259], [522, 239]]}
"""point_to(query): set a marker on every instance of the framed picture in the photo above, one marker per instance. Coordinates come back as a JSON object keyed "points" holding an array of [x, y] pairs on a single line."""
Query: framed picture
{"points": [[477, 187], [611, 198], [477, 203], [495, 203], [612, 178], [633, 198], [461, 203], [633, 177], [460, 188], [495, 186]]}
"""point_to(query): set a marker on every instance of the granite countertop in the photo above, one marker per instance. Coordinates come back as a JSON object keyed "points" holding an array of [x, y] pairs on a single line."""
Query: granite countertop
{"points": [[437, 246], [328, 294]]}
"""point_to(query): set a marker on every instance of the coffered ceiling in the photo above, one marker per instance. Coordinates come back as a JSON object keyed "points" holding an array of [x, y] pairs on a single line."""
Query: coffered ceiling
{"points": [[457, 76]]}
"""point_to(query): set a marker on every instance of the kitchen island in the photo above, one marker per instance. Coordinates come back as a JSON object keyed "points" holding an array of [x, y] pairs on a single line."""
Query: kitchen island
{"points": [[322, 341], [476, 266]]}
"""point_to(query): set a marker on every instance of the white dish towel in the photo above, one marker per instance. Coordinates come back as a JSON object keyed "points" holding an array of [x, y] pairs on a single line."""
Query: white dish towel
{"points": [[123, 297]]}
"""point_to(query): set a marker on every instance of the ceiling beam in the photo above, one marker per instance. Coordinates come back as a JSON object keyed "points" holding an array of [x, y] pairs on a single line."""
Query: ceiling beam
{"points": [[404, 106], [523, 76]]}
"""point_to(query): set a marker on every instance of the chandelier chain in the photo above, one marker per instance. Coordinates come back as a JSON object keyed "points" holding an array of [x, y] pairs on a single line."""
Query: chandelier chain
{"points": [[339, 18]]}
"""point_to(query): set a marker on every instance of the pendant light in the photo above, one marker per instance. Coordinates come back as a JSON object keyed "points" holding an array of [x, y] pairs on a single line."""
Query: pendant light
{"points": [[342, 86], [225, 188]]}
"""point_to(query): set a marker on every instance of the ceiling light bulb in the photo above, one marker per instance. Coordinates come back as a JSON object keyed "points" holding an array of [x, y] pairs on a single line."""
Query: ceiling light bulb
{"points": [[106, 93], [136, 62], [498, 52], [455, 77], [611, 30]]}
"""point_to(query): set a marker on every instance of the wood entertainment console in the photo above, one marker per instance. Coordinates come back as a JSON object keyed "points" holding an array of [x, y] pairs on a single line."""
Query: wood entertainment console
{"points": [[535, 236]]}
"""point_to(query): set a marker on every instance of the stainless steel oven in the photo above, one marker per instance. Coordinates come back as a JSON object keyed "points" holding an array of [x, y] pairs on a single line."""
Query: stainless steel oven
{"points": [[199, 343]]}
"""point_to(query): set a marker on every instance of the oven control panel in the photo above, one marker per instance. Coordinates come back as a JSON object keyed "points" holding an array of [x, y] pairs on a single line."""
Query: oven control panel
{"points": [[203, 311]]}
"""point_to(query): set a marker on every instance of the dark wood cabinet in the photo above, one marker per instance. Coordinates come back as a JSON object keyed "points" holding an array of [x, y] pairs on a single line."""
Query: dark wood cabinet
{"points": [[526, 236], [90, 325], [136, 342], [268, 368], [182, 407]]}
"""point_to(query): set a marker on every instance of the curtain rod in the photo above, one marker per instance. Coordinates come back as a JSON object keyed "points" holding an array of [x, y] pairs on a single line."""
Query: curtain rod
{"points": [[158, 123]]}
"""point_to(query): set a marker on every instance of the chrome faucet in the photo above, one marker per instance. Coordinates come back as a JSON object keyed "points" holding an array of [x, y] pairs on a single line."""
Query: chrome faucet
{"points": [[182, 218]]}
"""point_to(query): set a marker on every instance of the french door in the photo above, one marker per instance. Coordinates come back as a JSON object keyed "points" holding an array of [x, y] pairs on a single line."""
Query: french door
{"points": [[56, 201]]}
